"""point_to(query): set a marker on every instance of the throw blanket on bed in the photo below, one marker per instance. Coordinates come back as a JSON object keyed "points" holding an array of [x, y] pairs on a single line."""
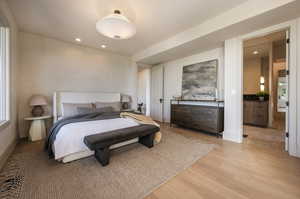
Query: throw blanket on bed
{"points": [[78, 118], [142, 119]]}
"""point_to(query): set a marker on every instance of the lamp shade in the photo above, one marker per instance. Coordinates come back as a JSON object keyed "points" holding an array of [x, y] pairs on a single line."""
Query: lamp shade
{"points": [[38, 100], [125, 98], [116, 26]]}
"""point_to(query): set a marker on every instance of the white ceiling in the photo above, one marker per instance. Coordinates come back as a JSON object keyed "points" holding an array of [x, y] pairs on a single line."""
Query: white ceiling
{"points": [[240, 20], [262, 45], [156, 20]]}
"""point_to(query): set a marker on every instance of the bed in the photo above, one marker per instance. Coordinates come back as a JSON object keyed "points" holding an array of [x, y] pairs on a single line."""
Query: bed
{"points": [[68, 145]]}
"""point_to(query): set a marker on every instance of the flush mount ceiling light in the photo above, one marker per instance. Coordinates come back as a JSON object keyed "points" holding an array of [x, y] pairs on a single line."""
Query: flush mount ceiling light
{"points": [[255, 52], [116, 26], [103, 46], [78, 39]]}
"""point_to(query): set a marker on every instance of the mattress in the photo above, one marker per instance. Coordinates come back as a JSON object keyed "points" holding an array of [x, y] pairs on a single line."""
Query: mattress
{"points": [[69, 145]]}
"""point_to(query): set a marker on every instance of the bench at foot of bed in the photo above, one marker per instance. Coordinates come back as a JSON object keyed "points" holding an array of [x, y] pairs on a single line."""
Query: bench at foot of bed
{"points": [[101, 142]]}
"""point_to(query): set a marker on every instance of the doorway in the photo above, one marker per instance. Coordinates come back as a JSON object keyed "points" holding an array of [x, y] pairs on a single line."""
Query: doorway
{"points": [[157, 93], [265, 87]]}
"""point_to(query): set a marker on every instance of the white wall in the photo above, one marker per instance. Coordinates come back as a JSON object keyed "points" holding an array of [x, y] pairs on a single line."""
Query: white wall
{"points": [[48, 65], [173, 75], [8, 133], [252, 73], [144, 81]]}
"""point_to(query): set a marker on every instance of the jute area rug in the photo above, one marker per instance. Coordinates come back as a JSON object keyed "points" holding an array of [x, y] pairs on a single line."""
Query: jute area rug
{"points": [[134, 171]]}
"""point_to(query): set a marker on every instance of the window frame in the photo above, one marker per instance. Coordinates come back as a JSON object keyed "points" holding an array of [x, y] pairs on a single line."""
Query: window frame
{"points": [[4, 76]]}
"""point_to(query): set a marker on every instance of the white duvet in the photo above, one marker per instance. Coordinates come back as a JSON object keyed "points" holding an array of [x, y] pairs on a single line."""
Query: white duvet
{"points": [[69, 140]]}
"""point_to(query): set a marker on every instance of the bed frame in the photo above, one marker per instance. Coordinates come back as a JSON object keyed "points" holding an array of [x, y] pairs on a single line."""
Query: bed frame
{"points": [[83, 97], [80, 97]]}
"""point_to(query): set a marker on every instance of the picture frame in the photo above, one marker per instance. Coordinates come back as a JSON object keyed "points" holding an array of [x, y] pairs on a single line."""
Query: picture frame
{"points": [[200, 81]]}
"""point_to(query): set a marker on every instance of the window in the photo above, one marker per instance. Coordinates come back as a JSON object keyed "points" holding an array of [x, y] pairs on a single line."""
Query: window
{"points": [[4, 75]]}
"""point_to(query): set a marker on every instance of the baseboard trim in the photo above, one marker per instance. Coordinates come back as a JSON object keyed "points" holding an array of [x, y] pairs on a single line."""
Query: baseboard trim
{"points": [[6, 154], [232, 136]]}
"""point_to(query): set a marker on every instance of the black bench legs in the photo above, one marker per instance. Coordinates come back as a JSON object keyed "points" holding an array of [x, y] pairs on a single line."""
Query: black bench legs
{"points": [[102, 155], [147, 140]]}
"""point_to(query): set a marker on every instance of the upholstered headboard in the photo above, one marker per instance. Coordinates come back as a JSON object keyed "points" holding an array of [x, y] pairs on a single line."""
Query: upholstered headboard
{"points": [[80, 97]]}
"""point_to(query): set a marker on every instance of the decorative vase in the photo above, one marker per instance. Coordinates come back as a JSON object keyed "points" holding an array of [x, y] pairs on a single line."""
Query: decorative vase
{"points": [[37, 111]]}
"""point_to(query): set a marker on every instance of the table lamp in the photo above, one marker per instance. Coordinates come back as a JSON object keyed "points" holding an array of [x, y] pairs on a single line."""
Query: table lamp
{"points": [[125, 99], [37, 102]]}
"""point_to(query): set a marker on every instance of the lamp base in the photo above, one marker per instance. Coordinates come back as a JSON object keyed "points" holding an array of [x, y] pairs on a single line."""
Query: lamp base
{"points": [[37, 111], [125, 105]]}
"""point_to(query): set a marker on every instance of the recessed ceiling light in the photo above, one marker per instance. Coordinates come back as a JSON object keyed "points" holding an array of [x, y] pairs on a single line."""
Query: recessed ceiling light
{"points": [[78, 39], [255, 52], [103, 46]]}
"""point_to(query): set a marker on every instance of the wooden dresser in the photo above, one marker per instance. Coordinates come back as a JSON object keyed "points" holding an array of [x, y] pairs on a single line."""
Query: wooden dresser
{"points": [[205, 116], [256, 112]]}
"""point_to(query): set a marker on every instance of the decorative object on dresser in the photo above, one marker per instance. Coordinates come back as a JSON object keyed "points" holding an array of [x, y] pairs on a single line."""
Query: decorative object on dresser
{"points": [[37, 102], [207, 116], [125, 100], [140, 106], [199, 81], [177, 97], [37, 129]]}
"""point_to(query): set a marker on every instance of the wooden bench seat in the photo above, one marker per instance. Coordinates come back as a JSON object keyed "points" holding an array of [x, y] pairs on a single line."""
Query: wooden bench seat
{"points": [[101, 142]]}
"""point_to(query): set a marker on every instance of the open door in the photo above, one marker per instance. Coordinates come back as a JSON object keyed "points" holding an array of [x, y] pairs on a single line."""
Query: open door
{"points": [[157, 93], [287, 57]]}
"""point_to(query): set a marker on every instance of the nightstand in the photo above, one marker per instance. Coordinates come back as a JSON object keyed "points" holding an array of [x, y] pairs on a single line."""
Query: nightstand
{"points": [[37, 129]]}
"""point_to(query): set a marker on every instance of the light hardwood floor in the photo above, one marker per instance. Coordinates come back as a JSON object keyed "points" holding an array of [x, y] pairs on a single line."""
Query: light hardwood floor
{"points": [[255, 169], [264, 134]]}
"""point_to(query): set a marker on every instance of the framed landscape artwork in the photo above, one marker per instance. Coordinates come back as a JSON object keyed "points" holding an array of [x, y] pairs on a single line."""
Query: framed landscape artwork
{"points": [[199, 81]]}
